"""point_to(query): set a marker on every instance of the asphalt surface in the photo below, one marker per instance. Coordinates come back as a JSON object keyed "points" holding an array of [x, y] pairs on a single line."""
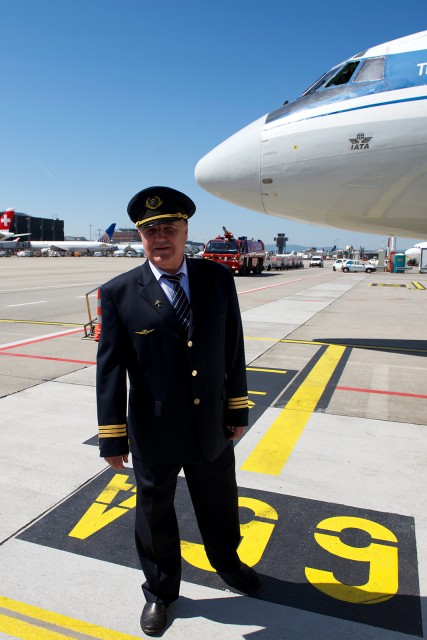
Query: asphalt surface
{"points": [[331, 470]]}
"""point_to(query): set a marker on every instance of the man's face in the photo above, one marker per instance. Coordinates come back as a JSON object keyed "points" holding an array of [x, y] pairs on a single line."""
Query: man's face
{"points": [[164, 244]]}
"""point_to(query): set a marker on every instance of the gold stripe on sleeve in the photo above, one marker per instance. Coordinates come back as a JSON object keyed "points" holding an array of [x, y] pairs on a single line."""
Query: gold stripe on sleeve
{"points": [[238, 403], [112, 431]]}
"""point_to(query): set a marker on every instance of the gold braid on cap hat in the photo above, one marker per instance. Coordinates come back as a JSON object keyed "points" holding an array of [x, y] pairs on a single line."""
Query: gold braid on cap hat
{"points": [[178, 215]]}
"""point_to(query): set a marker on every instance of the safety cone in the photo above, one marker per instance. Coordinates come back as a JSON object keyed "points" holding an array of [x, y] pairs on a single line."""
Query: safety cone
{"points": [[97, 332]]}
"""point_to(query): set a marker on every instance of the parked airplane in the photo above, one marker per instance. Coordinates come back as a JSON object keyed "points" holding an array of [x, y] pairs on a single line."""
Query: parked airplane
{"points": [[349, 153], [6, 218], [124, 247], [414, 253], [77, 246]]}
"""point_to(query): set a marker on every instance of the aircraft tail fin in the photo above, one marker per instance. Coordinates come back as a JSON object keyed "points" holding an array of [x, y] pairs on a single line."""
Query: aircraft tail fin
{"points": [[6, 218], [108, 234]]}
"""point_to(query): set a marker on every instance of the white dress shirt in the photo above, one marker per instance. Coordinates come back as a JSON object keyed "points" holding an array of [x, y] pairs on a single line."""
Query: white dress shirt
{"points": [[166, 285]]}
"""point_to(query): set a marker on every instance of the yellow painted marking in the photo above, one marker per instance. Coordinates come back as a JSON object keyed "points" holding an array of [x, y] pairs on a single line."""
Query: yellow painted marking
{"points": [[313, 342], [387, 284], [30, 629], [382, 560], [273, 450], [418, 285], [303, 341], [356, 346], [255, 536], [98, 515], [266, 370], [258, 393], [56, 324]]}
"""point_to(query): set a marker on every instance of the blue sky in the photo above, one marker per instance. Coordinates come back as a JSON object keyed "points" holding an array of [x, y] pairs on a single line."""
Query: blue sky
{"points": [[101, 98]]}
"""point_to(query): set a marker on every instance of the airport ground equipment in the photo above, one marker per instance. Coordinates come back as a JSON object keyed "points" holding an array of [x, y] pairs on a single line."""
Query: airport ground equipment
{"points": [[92, 328], [281, 261], [243, 255], [423, 260]]}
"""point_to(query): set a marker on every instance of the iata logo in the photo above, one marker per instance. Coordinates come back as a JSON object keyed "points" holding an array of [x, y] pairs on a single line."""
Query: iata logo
{"points": [[360, 142]]}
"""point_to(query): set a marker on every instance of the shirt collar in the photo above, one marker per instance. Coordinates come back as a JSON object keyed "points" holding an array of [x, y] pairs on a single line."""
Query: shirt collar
{"points": [[158, 273]]}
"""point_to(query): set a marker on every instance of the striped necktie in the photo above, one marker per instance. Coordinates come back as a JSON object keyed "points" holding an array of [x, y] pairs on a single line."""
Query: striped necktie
{"points": [[179, 300]]}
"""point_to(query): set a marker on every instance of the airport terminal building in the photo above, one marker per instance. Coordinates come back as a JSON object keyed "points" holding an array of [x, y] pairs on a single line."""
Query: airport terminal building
{"points": [[39, 228]]}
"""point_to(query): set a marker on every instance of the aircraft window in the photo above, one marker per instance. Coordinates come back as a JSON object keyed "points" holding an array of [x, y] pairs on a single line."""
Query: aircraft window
{"points": [[320, 81], [343, 76], [372, 69]]}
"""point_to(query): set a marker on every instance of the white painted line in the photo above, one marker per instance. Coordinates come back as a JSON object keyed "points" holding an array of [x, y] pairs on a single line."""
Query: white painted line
{"points": [[21, 343], [278, 284], [56, 286], [24, 304]]}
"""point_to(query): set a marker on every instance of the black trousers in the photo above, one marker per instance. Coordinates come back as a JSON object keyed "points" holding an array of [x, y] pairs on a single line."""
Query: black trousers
{"points": [[213, 491]]}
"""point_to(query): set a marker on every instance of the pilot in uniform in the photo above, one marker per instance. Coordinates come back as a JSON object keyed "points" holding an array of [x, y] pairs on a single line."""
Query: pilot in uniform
{"points": [[187, 397]]}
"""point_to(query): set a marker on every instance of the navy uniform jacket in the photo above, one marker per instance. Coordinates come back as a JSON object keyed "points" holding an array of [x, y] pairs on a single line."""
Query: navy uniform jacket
{"points": [[183, 388]]}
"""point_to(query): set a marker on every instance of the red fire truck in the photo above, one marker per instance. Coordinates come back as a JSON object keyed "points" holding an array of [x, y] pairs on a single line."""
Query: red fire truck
{"points": [[244, 256]]}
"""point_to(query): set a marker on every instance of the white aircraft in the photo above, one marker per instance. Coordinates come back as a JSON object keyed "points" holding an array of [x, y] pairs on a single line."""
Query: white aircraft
{"points": [[414, 252], [77, 246], [124, 247], [349, 153], [6, 218]]}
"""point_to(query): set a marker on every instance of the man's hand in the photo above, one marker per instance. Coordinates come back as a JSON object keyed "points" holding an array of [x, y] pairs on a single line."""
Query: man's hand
{"points": [[235, 432], [116, 462]]}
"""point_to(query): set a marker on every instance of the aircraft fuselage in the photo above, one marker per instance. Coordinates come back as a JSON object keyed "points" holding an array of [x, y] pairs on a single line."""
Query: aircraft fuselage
{"points": [[350, 153]]}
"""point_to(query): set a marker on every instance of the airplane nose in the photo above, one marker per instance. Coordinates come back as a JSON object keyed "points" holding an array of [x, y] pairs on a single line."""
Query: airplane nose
{"points": [[232, 170]]}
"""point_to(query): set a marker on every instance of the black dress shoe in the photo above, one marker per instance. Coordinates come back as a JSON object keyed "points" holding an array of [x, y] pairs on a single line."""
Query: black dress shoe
{"points": [[153, 618], [243, 578]]}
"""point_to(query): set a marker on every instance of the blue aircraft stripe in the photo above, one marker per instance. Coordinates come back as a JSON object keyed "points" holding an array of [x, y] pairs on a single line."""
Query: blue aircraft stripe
{"points": [[365, 106]]}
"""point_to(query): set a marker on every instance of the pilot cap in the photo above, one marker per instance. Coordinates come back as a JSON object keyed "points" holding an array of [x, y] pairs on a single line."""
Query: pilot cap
{"points": [[159, 205]]}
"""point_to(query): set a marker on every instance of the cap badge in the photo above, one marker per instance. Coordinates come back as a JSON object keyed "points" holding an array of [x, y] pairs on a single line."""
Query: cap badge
{"points": [[158, 304], [153, 202]]}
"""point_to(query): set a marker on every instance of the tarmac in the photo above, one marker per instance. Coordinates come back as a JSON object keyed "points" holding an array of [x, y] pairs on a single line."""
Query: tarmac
{"points": [[330, 471]]}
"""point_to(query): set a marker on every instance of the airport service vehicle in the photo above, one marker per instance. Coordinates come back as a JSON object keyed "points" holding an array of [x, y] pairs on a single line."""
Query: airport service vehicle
{"points": [[357, 265], [244, 256], [316, 261], [350, 152], [338, 264], [286, 261], [268, 261], [278, 261]]}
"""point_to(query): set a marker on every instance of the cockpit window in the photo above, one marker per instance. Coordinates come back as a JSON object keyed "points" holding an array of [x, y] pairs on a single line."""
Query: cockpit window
{"points": [[371, 69], [320, 81], [344, 75]]}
